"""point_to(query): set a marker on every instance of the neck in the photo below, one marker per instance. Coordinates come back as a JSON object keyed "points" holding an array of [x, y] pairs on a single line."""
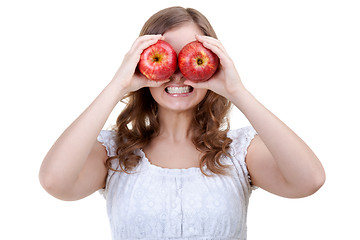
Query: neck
{"points": [[175, 126]]}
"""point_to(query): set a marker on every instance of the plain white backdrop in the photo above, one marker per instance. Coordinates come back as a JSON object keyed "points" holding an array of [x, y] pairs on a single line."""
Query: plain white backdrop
{"points": [[300, 59]]}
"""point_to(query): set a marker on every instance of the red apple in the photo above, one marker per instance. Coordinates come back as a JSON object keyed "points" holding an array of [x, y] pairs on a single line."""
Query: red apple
{"points": [[196, 62], [158, 62]]}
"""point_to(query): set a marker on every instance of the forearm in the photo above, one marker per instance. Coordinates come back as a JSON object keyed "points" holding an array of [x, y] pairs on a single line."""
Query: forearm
{"points": [[296, 161], [69, 153]]}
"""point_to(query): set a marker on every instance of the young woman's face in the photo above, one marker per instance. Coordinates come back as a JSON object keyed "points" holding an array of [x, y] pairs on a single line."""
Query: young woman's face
{"points": [[175, 95]]}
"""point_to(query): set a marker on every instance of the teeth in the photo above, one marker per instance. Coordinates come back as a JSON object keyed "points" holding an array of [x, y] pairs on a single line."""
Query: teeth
{"points": [[172, 90]]}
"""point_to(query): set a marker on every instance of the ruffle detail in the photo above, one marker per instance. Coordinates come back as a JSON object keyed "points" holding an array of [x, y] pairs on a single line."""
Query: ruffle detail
{"points": [[241, 141], [185, 203], [168, 171], [107, 139]]}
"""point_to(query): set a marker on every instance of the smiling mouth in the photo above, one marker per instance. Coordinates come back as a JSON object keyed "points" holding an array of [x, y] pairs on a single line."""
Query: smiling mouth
{"points": [[179, 90]]}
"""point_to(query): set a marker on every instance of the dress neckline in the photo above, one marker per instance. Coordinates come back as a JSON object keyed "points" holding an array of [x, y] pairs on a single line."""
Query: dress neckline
{"points": [[173, 171]]}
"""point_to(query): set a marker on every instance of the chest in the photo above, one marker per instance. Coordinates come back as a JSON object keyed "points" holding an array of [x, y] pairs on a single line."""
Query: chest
{"points": [[160, 206], [173, 155]]}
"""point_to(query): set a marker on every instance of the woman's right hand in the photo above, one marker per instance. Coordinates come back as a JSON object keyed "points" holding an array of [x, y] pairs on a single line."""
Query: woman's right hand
{"points": [[126, 76]]}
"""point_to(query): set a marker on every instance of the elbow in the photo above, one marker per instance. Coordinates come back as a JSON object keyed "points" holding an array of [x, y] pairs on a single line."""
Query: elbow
{"points": [[48, 179], [45, 180], [48, 183], [318, 181], [311, 186], [315, 179], [55, 187]]}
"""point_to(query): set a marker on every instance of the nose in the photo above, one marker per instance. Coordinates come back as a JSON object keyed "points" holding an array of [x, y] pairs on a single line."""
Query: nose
{"points": [[177, 76]]}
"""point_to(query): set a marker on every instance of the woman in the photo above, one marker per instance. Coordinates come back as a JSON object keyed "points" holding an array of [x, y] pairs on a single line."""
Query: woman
{"points": [[171, 168]]}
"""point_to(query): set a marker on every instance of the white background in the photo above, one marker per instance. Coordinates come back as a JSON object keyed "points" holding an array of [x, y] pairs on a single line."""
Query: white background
{"points": [[300, 59]]}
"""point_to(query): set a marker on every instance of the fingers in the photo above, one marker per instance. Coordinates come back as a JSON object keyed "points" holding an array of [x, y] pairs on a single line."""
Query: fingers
{"points": [[145, 82], [198, 84], [127, 70], [143, 42], [215, 46], [132, 58], [140, 44], [211, 40]]}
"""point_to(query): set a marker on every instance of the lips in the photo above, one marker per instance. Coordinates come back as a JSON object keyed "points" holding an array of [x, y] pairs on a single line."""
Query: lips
{"points": [[179, 89]]}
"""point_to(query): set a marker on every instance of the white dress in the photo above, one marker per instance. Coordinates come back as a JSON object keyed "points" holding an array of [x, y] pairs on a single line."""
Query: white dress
{"points": [[162, 203]]}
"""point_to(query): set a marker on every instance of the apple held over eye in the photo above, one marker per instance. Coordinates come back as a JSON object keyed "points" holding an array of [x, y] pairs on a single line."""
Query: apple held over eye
{"points": [[197, 63], [158, 62]]}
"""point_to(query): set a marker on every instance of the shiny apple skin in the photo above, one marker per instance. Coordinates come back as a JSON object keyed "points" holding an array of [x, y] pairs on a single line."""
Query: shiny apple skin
{"points": [[158, 62], [197, 63]]}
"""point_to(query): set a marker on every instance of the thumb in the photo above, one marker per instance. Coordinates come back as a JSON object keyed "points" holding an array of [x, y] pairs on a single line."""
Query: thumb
{"points": [[197, 84]]}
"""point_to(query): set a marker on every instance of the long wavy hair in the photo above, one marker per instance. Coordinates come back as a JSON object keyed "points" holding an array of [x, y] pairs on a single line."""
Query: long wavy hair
{"points": [[137, 124]]}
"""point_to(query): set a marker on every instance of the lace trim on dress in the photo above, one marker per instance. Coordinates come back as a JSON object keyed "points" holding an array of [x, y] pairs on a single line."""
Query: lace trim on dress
{"points": [[240, 147], [107, 139], [163, 170], [239, 150]]}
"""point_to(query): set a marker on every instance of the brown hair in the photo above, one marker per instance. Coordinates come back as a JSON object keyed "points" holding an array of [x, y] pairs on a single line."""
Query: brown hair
{"points": [[137, 124]]}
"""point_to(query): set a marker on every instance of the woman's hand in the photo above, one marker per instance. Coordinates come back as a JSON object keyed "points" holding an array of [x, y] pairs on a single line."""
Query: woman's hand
{"points": [[226, 81], [127, 77]]}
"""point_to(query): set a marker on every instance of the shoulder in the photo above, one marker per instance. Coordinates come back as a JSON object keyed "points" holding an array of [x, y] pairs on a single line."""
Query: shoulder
{"points": [[107, 134], [107, 138], [242, 135], [246, 131], [241, 139]]}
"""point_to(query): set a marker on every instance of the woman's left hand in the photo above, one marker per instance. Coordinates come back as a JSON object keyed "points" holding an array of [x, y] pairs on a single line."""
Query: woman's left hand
{"points": [[226, 81]]}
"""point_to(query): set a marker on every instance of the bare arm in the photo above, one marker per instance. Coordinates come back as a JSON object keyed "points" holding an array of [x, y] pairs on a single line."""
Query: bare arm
{"points": [[278, 160], [74, 166], [77, 148]]}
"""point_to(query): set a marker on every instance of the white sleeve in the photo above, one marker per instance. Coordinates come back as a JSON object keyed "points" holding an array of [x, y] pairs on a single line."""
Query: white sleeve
{"points": [[241, 141], [107, 139]]}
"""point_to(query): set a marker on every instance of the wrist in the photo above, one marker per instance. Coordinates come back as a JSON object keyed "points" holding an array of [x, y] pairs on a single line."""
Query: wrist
{"points": [[118, 89], [241, 98], [236, 91]]}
